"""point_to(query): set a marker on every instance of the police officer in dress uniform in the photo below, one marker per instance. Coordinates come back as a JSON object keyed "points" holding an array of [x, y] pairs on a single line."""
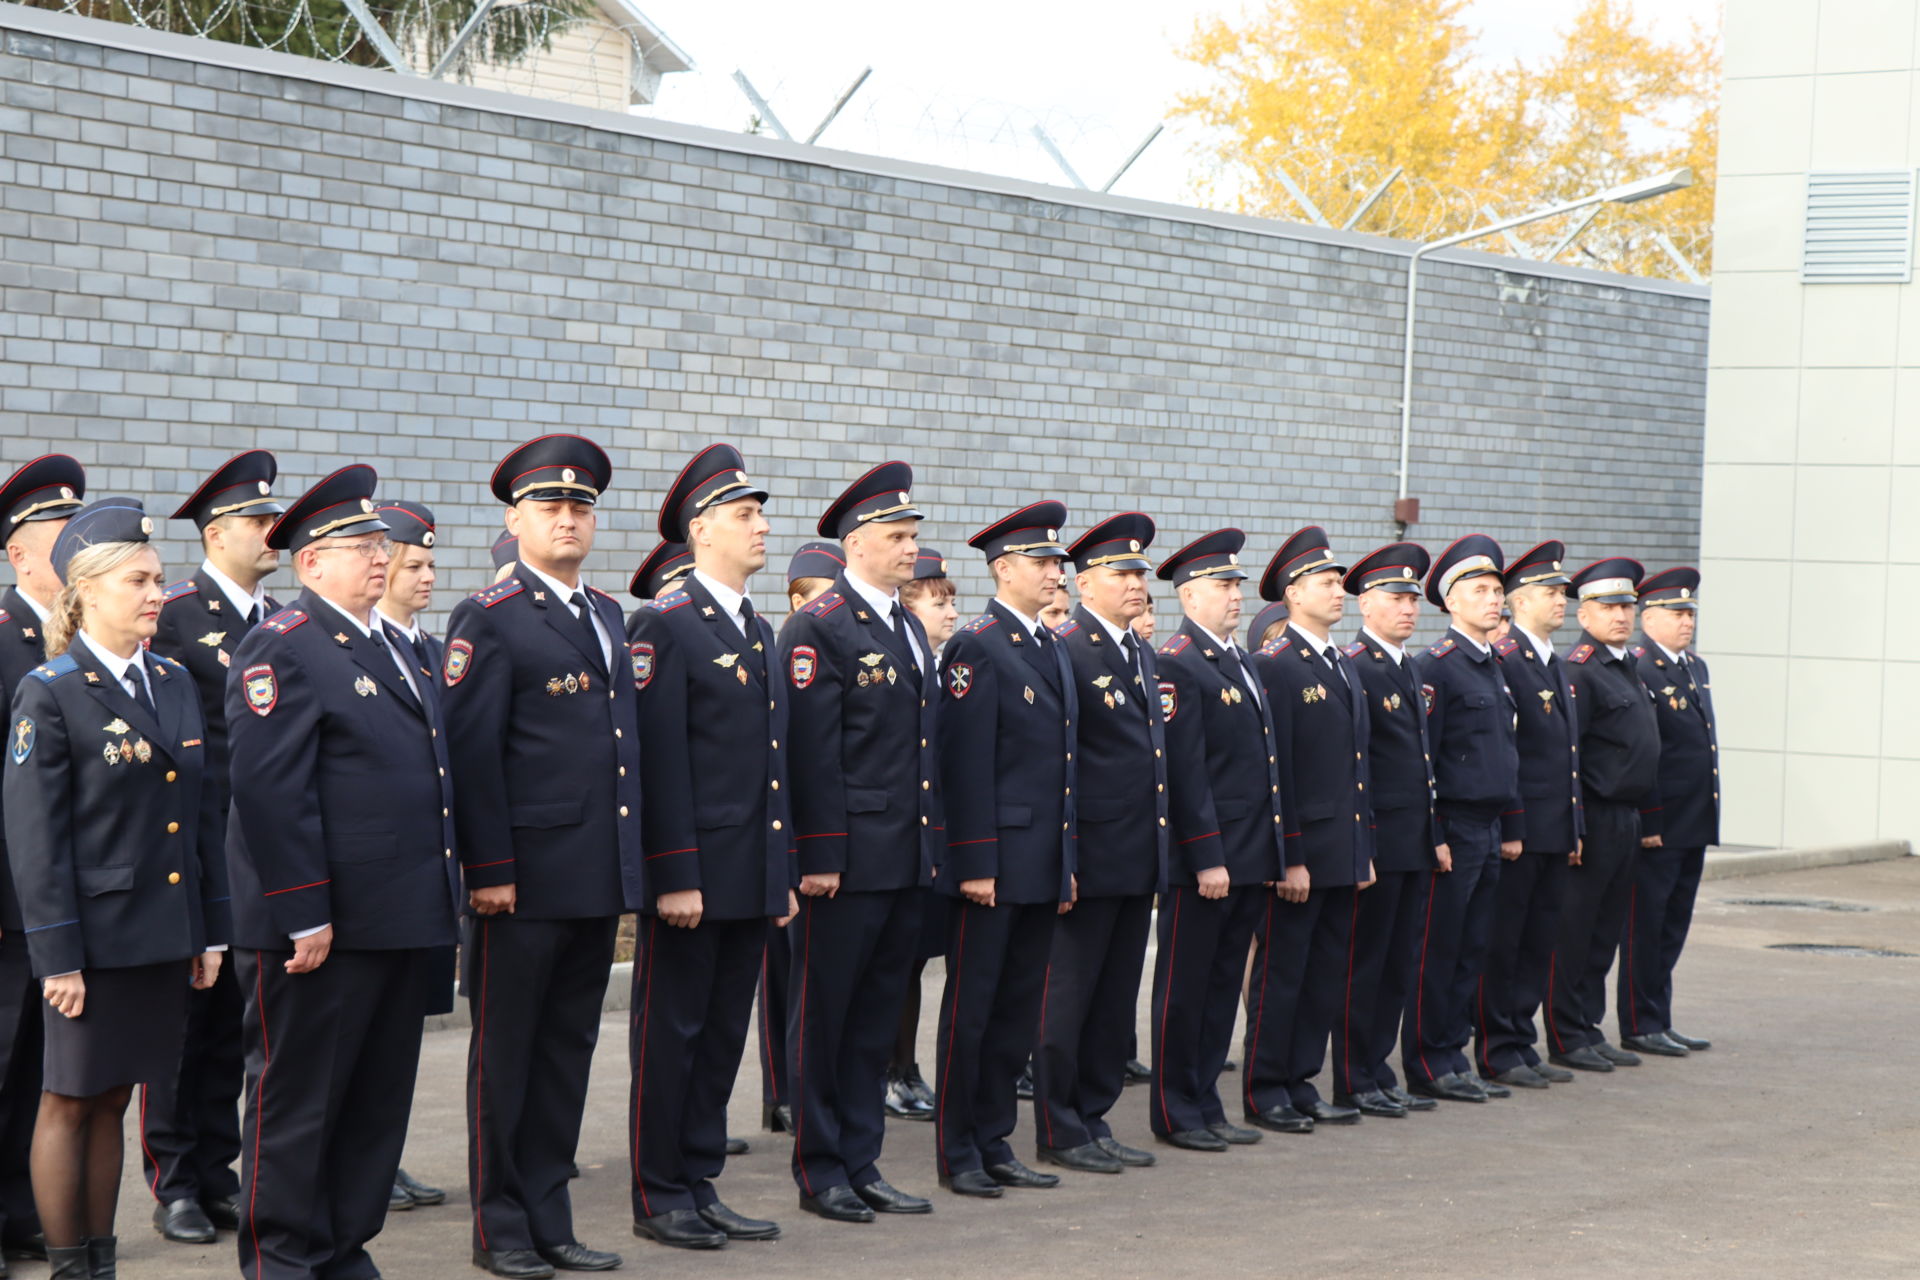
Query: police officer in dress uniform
{"points": [[1619, 763], [859, 670], [540, 711], [1006, 738], [1303, 942], [340, 851], [35, 503], [190, 1124], [1227, 843], [1386, 922], [1092, 985], [1526, 913], [1470, 725], [1677, 822], [718, 837]]}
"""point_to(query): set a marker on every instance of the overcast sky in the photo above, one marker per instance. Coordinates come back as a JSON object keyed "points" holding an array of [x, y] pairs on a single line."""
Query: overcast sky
{"points": [[963, 85]]}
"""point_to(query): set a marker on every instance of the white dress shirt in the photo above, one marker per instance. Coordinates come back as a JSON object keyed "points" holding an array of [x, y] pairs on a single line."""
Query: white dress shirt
{"points": [[883, 605], [728, 599], [566, 594]]}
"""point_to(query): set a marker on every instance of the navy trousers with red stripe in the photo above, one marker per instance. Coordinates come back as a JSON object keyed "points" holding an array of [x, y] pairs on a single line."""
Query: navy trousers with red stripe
{"points": [[1387, 924], [1300, 955], [770, 1026], [1526, 921], [1592, 915], [850, 955], [331, 1058], [536, 989], [692, 1000], [1456, 922], [1198, 971], [1659, 912], [989, 1015], [22, 1045], [190, 1123], [1087, 1018]]}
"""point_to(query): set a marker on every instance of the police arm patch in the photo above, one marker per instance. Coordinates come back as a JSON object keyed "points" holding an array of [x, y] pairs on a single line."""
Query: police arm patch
{"points": [[1169, 701], [959, 679], [263, 691], [642, 664], [803, 666], [459, 661], [23, 736]]}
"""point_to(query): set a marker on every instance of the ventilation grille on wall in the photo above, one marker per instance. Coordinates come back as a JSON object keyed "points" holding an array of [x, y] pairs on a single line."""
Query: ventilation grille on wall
{"points": [[1859, 228]]}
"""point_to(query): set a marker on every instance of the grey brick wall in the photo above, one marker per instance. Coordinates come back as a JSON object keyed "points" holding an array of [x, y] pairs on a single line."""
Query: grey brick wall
{"points": [[205, 249]]}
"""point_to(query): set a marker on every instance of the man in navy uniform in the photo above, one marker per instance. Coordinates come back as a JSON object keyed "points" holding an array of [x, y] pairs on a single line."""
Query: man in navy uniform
{"points": [[1677, 822], [340, 852], [1227, 841], [1526, 913], [1006, 739], [718, 837], [35, 504], [1470, 724], [1303, 942], [1619, 764], [859, 673], [1092, 985], [1407, 848], [540, 708], [190, 1126]]}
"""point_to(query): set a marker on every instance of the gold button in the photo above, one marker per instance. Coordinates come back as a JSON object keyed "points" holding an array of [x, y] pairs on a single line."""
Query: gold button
{"points": [[1063, 826], [623, 771], [443, 773], [923, 819], [1276, 791], [617, 733], [171, 775], [1361, 785], [923, 702], [926, 784], [776, 744], [1276, 819], [770, 706], [436, 733], [776, 784], [1161, 787], [923, 742], [623, 813], [173, 877], [446, 813], [173, 828], [776, 824], [1272, 759], [1356, 755], [1068, 791], [1163, 822], [1069, 755], [1156, 753], [1716, 773], [449, 853], [1576, 773], [609, 693]]}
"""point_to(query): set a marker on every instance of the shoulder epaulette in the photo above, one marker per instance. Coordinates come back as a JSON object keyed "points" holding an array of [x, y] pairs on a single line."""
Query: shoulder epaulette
{"points": [[499, 591], [1067, 628], [1277, 645], [1175, 646], [1355, 649], [603, 595], [5, 617], [1581, 654], [285, 620], [1442, 649], [178, 589], [980, 624], [822, 605], [1505, 645], [677, 598], [165, 661], [53, 668]]}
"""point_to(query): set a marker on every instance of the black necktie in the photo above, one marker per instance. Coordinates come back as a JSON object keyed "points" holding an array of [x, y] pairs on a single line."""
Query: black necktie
{"points": [[1132, 647], [899, 617], [1233, 653], [752, 638], [584, 613], [135, 674], [380, 642], [253, 617], [1332, 655]]}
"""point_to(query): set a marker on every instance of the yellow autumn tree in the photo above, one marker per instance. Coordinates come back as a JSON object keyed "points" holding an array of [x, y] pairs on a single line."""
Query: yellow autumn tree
{"points": [[1312, 105]]}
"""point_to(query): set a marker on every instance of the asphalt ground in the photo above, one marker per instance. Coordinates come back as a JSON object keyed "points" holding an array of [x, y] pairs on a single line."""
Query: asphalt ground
{"points": [[1790, 1149]]}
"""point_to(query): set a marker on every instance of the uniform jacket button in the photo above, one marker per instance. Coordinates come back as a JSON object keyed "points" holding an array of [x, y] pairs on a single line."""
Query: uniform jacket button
{"points": [[623, 813], [173, 877], [173, 828], [171, 775], [776, 824]]}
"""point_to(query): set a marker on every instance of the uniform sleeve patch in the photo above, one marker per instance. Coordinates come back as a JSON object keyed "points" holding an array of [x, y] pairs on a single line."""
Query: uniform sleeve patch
{"points": [[458, 661], [1581, 654], [959, 679], [178, 589], [1177, 645], [803, 666], [23, 736], [822, 605], [262, 690], [1169, 701], [1426, 696], [284, 621], [642, 652]]}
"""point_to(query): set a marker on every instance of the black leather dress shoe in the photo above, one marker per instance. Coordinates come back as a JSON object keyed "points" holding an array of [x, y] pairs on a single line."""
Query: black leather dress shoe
{"points": [[1086, 1158], [1692, 1044], [1617, 1056], [223, 1212], [882, 1198], [1282, 1119], [837, 1204], [903, 1101], [1492, 1088], [577, 1257], [1585, 1058], [737, 1146], [1137, 1072], [735, 1226], [1195, 1140], [1552, 1074], [398, 1200], [1522, 1077], [973, 1182], [776, 1118], [1234, 1135], [418, 1191], [1024, 1085], [1011, 1173], [1452, 1088], [1407, 1100], [1659, 1044], [519, 1264], [918, 1083], [1373, 1103], [183, 1221], [1132, 1157], [1320, 1111], [680, 1229]]}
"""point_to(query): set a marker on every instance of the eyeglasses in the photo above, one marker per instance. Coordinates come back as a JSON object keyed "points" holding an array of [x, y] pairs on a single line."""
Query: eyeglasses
{"points": [[365, 550]]}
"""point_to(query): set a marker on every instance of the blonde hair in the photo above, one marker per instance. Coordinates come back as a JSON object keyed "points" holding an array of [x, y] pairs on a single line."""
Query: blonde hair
{"points": [[96, 561]]}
